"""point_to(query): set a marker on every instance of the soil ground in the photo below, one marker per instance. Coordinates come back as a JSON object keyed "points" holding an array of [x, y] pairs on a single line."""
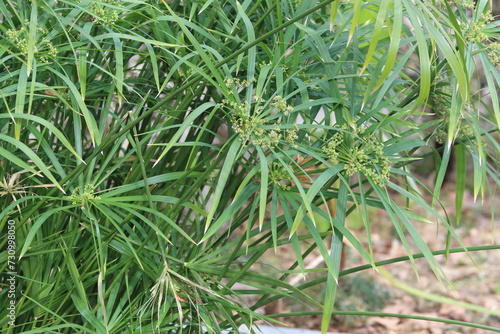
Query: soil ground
{"points": [[370, 291]]}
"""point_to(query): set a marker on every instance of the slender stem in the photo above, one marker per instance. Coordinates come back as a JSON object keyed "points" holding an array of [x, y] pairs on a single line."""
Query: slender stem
{"points": [[417, 256], [393, 315]]}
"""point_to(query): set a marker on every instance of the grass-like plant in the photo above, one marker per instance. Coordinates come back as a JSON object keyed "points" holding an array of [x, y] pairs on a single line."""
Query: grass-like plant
{"points": [[153, 151]]}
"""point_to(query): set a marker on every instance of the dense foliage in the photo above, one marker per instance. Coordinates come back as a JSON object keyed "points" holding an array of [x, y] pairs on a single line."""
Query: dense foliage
{"points": [[153, 151]]}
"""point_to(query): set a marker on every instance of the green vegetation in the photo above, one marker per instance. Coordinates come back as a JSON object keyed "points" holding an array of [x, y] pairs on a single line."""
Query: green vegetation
{"points": [[151, 152]]}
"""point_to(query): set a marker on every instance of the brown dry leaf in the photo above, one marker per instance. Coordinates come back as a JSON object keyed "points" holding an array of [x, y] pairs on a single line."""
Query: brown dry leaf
{"points": [[422, 325], [460, 272], [386, 322], [405, 306], [301, 177], [454, 312]]}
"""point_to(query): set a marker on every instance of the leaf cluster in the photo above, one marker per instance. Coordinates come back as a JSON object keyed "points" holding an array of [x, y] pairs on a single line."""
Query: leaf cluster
{"points": [[152, 152]]}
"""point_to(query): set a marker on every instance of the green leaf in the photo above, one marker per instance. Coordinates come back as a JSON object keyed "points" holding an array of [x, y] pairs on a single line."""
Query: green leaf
{"points": [[311, 194], [89, 118], [33, 157], [182, 128], [264, 184], [60, 136], [231, 156], [21, 96], [335, 258]]}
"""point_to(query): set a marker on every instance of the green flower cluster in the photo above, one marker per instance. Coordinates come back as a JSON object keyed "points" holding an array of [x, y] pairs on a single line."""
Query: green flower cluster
{"points": [[284, 67], [364, 154], [441, 133], [44, 50], [83, 197], [441, 104], [281, 105], [474, 30], [251, 130], [494, 53], [466, 4], [239, 83], [291, 136], [103, 12], [279, 176], [441, 98], [255, 129]]}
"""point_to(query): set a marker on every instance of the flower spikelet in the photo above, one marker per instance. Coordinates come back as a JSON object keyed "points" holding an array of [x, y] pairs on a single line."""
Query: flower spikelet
{"points": [[279, 176], [494, 53], [474, 30], [83, 196], [282, 106], [44, 50], [105, 12], [365, 154], [250, 123]]}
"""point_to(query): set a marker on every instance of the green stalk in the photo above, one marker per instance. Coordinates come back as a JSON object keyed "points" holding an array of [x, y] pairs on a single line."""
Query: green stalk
{"points": [[335, 257], [392, 315]]}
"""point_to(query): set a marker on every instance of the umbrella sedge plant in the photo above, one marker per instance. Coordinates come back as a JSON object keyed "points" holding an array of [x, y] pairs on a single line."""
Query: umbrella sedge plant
{"points": [[153, 152]]}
